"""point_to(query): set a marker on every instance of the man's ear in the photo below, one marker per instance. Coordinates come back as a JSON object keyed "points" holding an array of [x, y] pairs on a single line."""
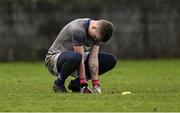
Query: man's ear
{"points": [[94, 28]]}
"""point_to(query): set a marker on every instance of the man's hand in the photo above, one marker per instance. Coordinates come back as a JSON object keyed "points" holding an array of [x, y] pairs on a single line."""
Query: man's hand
{"points": [[86, 90], [96, 89]]}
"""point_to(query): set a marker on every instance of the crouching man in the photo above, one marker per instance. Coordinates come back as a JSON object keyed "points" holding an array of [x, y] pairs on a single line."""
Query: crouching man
{"points": [[76, 52]]}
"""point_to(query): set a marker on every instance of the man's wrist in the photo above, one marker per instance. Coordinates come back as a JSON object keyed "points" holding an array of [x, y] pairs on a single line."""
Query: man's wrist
{"points": [[96, 82]]}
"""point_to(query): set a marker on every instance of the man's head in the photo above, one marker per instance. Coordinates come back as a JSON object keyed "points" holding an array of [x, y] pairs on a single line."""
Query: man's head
{"points": [[100, 30]]}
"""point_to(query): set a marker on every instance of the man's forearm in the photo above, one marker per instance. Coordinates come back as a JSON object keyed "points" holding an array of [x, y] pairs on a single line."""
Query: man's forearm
{"points": [[94, 62], [82, 70], [94, 67]]}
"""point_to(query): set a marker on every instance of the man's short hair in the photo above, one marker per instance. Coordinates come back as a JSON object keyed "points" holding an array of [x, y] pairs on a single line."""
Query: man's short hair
{"points": [[106, 29]]}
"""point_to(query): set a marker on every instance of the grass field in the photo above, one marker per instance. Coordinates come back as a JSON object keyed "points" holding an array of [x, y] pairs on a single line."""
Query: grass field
{"points": [[155, 86]]}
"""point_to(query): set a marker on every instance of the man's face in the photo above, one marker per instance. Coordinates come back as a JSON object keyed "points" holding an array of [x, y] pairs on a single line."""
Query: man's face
{"points": [[96, 34]]}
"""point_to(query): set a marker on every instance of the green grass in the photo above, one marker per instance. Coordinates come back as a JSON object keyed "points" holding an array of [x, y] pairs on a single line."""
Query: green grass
{"points": [[155, 86]]}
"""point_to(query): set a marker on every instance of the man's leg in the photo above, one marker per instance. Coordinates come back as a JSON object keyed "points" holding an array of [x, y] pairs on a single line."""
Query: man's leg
{"points": [[107, 62], [67, 63]]}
